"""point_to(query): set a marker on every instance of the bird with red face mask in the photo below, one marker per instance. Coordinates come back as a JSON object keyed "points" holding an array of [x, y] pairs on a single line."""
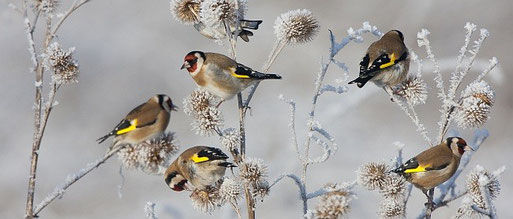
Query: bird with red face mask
{"points": [[221, 75], [435, 165]]}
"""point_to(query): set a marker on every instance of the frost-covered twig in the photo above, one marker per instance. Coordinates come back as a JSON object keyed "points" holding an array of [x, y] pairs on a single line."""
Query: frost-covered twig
{"points": [[149, 210], [70, 180]]}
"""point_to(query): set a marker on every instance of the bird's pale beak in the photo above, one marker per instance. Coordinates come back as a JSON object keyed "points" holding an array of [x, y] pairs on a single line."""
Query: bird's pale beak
{"points": [[468, 148], [174, 108], [185, 65]]}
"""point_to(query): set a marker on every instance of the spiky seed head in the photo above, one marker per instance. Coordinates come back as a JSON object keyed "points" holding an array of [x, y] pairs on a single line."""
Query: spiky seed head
{"points": [[412, 90], [372, 175], [230, 139], [296, 26], [207, 122], [206, 200], [393, 186], [215, 13], [65, 68], [230, 189], [198, 101], [475, 104], [186, 11], [46, 6], [253, 170], [392, 209], [128, 157], [334, 203], [261, 189]]}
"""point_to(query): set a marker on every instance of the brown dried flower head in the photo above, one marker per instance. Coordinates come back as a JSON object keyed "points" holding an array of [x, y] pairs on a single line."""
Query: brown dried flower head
{"points": [[474, 186], [46, 6], [261, 189], [65, 68], [253, 170], [198, 101], [335, 203], [391, 208], [230, 189], [412, 90], [186, 11], [393, 186], [372, 175], [151, 156], [296, 26], [230, 139], [215, 13], [206, 200], [475, 105]]}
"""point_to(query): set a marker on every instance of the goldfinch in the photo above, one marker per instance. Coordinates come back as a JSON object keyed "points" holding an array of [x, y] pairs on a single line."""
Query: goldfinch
{"points": [[199, 166], [221, 75], [386, 62], [147, 120], [435, 165], [220, 33]]}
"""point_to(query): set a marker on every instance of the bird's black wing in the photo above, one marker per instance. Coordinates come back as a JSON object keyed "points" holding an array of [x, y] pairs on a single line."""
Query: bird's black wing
{"points": [[242, 71], [411, 164], [118, 130], [209, 154]]}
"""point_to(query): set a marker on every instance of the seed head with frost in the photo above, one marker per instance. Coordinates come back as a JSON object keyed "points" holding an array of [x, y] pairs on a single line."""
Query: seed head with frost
{"points": [[45, 6], [185, 11], [393, 187], [206, 200], [474, 186], [150, 156], [296, 26], [215, 13], [208, 122], [230, 139], [253, 170], [476, 101], [261, 189], [65, 68], [230, 189], [412, 90], [372, 175], [334, 203], [198, 101], [391, 208]]}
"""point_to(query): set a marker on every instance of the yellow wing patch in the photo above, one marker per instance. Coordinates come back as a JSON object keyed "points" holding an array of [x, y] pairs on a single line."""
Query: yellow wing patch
{"points": [[418, 169], [197, 159], [392, 61], [133, 126], [237, 75]]}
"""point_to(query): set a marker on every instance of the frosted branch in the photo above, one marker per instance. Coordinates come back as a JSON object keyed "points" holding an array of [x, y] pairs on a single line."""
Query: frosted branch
{"points": [[71, 179], [292, 124], [491, 66], [334, 89], [149, 210]]}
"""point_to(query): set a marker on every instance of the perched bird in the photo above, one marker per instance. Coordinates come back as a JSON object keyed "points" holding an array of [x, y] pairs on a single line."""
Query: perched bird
{"points": [[201, 166], [147, 120], [220, 33], [435, 165], [221, 75], [386, 62]]}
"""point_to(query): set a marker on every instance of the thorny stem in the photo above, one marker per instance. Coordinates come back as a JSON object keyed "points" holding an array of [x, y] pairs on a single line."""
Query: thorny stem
{"points": [[61, 189], [40, 123]]}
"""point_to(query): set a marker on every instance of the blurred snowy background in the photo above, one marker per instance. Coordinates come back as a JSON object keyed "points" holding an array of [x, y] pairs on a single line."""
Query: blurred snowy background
{"points": [[129, 51]]}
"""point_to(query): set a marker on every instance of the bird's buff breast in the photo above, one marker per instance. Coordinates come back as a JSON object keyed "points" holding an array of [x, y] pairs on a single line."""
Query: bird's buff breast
{"points": [[391, 76]]}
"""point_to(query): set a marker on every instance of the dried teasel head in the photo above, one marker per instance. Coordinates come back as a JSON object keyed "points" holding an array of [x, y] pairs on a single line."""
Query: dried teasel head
{"points": [[372, 175], [208, 122], [335, 203], [186, 11], [230, 139], [230, 189], [475, 181], [475, 104], [393, 187], [253, 170], [65, 68], [261, 189], [392, 208], [198, 101], [215, 13], [413, 90], [151, 156], [296, 26], [206, 200], [45, 6]]}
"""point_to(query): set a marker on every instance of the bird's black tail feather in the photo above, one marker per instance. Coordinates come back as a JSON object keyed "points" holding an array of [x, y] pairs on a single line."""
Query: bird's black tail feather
{"points": [[360, 82], [245, 34], [102, 139], [250, 24], [263, 76]]}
